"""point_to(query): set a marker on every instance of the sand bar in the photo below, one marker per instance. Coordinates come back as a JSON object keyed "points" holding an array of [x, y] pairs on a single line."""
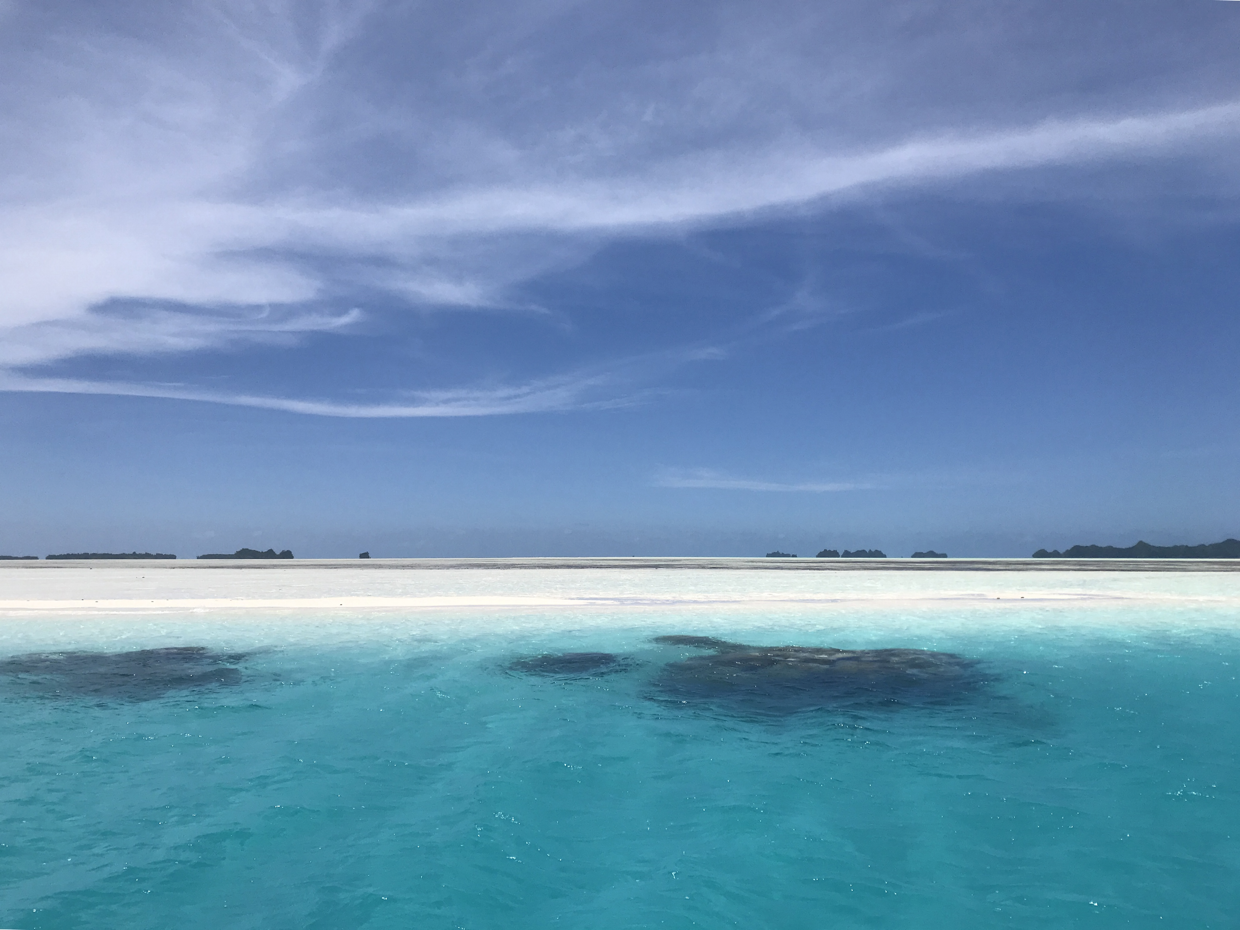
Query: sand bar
{"points": [[382, 585]]}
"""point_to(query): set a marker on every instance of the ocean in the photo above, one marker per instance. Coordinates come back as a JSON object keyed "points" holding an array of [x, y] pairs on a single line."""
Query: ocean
{"points": [[1065, 762]]}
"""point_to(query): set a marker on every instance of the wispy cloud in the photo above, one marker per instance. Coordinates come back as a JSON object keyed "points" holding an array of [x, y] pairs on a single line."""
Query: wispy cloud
{"points": [[72, 255], [709, 478], [620, 382], [718, 185], [546, 396], [286, 156], [159, 330], [913, 320]]}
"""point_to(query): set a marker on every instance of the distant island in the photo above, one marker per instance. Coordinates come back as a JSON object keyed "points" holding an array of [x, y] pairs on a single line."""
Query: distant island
{"points": [[851, 554], [828, 554], [929, 554], [18, 558], [250, 554], [781, 555], [1227, 549], [112, 555]]}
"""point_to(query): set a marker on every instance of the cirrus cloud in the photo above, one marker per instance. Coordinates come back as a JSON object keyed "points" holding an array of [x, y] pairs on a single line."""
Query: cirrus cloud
{"points": [[258, 167]]}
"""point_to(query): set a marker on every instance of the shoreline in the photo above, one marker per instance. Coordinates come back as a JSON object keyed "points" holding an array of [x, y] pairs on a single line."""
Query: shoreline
{"points": [[591, 586], [16, 609], [695, 563]]}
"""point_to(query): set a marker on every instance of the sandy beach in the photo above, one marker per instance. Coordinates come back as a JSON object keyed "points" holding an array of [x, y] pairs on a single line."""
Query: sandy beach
{"points": [[87, 588]]}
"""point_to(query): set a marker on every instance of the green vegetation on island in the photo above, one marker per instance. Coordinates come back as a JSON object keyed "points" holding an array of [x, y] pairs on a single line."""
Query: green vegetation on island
{"points": [[112, 555], [19, 558], [929, 554], [250, 554], [1227, 549]]}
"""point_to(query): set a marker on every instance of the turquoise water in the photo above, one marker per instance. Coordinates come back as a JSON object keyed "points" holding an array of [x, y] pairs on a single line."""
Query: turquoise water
{"points": [[397, 775]]}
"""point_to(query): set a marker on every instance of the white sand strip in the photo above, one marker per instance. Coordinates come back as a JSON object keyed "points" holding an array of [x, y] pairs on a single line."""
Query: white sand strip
{"points": [[363, 604], [111, 588]]}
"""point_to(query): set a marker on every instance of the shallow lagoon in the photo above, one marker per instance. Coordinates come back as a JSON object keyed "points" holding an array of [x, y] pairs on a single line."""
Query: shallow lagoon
{"points": [[396, 770]]}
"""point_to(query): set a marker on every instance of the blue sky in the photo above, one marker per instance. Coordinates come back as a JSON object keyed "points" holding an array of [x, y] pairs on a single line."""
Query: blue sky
{"points": [[572, 278]]}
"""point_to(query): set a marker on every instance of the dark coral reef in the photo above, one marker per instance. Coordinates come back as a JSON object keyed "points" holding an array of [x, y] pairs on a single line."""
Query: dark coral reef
{"points": [[139, 675], [571, 665], [789, 679]]}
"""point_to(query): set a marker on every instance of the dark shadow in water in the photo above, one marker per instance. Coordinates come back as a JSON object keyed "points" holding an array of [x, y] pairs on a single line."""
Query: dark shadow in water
{"points": [[781, 680], [140, 675], [701, 642], [571, 665]]}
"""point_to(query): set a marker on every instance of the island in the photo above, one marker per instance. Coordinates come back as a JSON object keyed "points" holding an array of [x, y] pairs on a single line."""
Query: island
{"points": [[250, 554], [863, 554], [1227, 549], [780, 555], [929, 554], [112, 555], [828, 554], [18, 558]]}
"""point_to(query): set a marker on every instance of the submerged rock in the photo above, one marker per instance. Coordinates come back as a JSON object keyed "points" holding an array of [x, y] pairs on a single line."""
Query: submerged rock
{"points": [[571, 665], [140, 675], [698, 642], [788, 679]]}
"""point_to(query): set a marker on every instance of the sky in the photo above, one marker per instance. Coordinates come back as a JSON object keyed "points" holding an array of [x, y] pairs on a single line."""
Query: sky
{"points": [[556, 277]]}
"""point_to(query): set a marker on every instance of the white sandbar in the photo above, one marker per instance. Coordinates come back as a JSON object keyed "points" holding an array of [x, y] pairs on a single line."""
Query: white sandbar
{"points": [[86, 588]]}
